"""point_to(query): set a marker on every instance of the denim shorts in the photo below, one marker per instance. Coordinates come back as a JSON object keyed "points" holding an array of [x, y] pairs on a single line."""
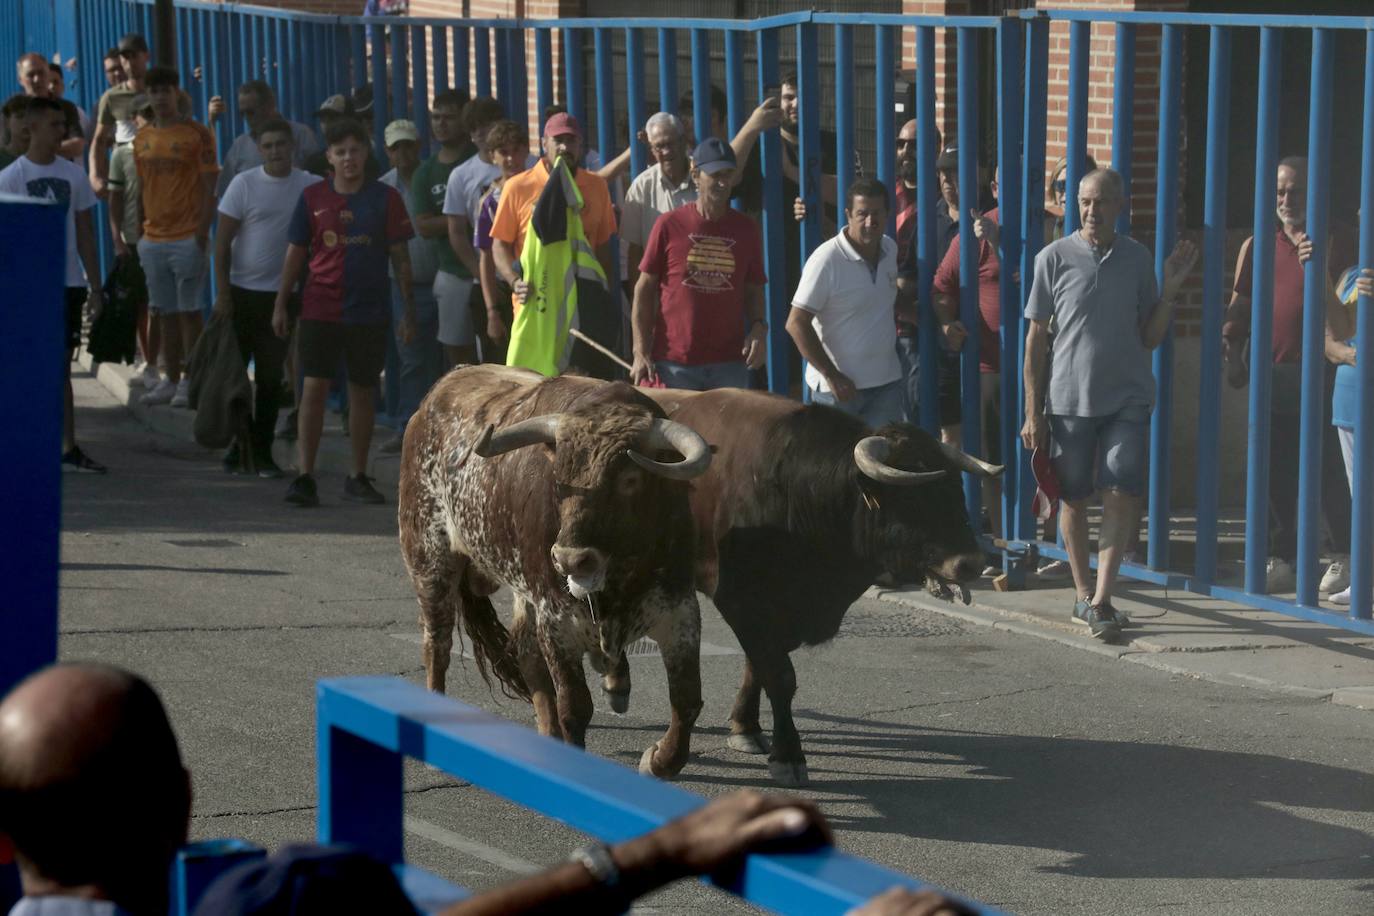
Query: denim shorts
{"points": [[1113, 449], [176, 274], [703, 377], [876, 406]]}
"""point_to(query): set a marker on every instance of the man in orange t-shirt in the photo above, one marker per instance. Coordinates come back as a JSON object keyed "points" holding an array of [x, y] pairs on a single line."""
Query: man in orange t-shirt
{"points": [[175, 159]]}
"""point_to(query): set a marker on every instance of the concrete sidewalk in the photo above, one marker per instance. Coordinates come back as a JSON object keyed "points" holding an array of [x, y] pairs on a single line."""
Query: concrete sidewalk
{"points": [[333, 460], [1177, 632], [1184, 634]]}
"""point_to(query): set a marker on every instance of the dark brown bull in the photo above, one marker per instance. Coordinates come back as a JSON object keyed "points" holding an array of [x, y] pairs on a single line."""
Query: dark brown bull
{"points": [[803, 507], [554, 488]]}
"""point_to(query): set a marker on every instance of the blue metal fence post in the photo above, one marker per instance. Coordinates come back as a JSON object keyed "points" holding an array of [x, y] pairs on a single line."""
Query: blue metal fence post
{"points": [[774, 253], [378, 37], [1166, 216], [967, 68], [634, 97], [438, 43], [1032, 236], [1261, 312], [294, 101], [1076, 154], [1314, 317], [809, 137], [844, 112], [701, 83], [503, 74], [419, 84], [462, 79], [481, 55], [735, 112], [667, 70], [358, 39], [543, 69], [604, 55], [1009, 33], [520, 78], [1123, 116], [348, 768], [575, 97], [927, 201], [885, 136], [396, 78], [32, 492], [1213, 252], [1362, 486]]}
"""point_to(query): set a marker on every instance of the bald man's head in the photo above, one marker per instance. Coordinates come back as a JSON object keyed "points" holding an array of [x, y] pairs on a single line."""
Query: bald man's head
{"points": [[92, 790]]}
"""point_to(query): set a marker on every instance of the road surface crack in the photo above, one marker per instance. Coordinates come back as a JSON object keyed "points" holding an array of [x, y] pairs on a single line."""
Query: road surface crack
{"points": [[245, 628], [946, 702]]}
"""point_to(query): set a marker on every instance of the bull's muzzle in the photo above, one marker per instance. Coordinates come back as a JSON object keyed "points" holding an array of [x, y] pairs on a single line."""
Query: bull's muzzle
{"points": [[584, 567]]}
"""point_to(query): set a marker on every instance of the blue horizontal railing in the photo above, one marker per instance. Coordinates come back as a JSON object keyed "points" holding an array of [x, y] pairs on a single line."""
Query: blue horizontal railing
{"points": [[366, 727]]}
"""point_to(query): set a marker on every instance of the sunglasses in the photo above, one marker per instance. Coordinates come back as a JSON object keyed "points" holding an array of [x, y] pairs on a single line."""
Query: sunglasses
{"points": [[1061, 186]]}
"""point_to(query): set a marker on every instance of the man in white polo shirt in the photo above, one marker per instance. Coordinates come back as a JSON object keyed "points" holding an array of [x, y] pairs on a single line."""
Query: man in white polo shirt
{"points": [[841, 318]]}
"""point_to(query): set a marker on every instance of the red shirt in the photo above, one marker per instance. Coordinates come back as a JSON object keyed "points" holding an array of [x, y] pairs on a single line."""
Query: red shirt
{"points": [[703, 269], [1288, 295], [989, 296]]}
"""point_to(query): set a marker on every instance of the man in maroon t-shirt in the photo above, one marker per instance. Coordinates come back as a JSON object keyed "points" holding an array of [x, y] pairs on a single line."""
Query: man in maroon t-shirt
{"points": [[945, 288], [698, 304], [1286, 390]]}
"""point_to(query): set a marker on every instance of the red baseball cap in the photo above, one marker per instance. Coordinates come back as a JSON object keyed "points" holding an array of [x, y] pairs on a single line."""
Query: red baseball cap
{"points": [[562, 123], [1047, 493]]}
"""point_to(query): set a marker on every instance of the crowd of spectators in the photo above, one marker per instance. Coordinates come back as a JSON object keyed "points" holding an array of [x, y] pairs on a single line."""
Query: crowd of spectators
{"points": [[332, 271]]}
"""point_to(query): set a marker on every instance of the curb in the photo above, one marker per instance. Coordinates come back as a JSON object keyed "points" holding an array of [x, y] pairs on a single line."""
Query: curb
{"points": [[1172, 661], [334, 455]]}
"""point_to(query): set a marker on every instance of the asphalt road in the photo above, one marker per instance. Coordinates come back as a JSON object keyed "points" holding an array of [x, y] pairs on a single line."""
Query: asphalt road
{"points": [[1021, 772]]}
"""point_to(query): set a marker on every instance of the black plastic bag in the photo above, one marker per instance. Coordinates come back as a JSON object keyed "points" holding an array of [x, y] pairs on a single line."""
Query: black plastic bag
{"points": [[113, 334]]}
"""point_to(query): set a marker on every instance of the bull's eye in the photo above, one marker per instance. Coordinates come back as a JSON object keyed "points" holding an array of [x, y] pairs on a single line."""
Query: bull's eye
{"points": [[629, 483]]}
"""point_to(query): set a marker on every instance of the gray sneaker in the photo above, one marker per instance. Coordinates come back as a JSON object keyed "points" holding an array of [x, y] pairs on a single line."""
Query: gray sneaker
{"points": [[1102, 624], [359, 489]]}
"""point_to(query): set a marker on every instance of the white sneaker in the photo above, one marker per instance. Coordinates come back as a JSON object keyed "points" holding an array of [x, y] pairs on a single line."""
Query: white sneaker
{"points": [[146, 377], [1054, 569], [1337, 576], [183, 396], [1341, 598], [161, 394], [1279, 576]]}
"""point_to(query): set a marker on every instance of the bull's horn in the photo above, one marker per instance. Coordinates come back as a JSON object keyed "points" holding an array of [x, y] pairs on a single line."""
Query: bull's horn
{"points": [[534, 431], [870, 454], [674, 437], [966, 462]]}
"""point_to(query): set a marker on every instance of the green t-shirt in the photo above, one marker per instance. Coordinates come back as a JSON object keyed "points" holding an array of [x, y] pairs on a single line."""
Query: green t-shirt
{"points": [[427, 189]]}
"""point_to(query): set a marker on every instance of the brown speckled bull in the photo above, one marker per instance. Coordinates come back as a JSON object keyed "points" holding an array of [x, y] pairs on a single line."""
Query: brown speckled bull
{"points": [[562, 490]]}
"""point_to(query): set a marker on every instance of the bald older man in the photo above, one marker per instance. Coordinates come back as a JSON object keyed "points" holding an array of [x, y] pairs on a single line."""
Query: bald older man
{"points": [[35, 78], [93, 794]]}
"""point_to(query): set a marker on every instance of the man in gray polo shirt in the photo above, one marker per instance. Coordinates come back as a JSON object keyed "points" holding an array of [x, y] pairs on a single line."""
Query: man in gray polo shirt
{"points": [[1093, 409]]}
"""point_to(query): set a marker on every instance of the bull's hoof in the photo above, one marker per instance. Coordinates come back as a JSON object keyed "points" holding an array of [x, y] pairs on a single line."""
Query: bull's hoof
{"points": [[785, 773], [753, 743], [648, 768], [619, 700]]}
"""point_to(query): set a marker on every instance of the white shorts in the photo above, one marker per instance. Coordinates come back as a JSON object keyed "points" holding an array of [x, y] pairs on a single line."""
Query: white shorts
{"points": [[455, 316]]}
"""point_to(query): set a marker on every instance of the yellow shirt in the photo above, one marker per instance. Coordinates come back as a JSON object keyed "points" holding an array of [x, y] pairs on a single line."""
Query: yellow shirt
{"points": [[170, 162]]}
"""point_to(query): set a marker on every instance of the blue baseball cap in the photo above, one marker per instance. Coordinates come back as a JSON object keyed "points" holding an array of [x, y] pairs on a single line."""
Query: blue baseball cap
{"points": [[712, 155]]}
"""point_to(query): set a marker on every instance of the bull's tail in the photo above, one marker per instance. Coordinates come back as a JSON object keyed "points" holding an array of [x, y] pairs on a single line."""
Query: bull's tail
{"points": [[492, 649]]}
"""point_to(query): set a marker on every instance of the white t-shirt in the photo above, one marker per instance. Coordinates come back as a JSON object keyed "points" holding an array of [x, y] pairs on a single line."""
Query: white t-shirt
{"points": [[468, 183], [852, 304], [263, 206], [63, 182]]}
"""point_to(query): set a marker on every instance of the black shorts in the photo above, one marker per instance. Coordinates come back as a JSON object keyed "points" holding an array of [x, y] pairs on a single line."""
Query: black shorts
{"points": [[320, 344], [76, 301]]}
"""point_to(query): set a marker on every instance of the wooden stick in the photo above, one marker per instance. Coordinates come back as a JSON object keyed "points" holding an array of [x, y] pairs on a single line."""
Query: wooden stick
{"points": [[600, 348]]}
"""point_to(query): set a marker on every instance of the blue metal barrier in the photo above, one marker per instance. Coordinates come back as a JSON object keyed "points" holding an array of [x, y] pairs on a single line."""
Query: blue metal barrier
{"points": [[231, 41], [366, 727]]}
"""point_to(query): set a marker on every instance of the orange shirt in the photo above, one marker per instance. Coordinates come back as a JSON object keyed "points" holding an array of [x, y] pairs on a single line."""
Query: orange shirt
{"points": [[520, 193], [170, 163]]}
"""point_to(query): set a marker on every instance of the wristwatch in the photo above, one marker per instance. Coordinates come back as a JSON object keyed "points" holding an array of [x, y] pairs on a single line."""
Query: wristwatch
{"points": [[596, 859]]}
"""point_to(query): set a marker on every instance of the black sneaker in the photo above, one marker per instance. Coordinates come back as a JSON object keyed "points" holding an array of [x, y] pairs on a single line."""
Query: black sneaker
{"points": [[1122, 619], [359, 489], [232, 462], [268, 469], [1102, 624], [302, 492], [78, 461]]}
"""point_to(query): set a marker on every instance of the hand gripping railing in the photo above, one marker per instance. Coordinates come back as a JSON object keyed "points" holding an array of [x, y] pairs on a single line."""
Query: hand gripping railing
{"points": [[368, 725]]}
